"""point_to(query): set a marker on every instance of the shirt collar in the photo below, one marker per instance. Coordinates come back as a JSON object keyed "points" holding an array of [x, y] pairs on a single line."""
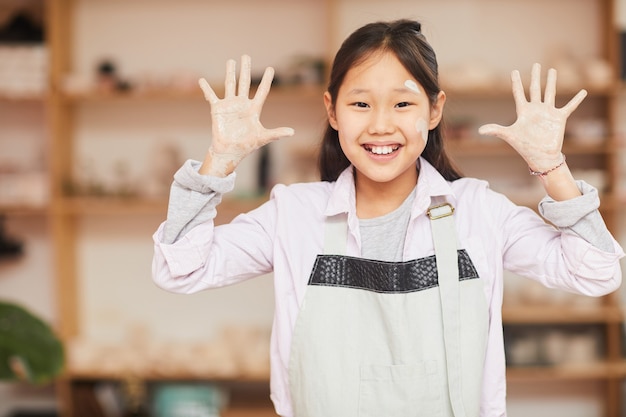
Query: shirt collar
{"points": [[430, 184], [342, 199]]}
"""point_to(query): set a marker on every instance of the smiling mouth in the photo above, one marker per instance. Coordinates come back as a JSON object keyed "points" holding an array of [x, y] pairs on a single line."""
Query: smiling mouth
{"points": [[381, 150]]}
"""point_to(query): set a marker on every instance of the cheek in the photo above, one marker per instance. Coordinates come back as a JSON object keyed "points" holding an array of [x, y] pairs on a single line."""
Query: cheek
{"points": [[421, 126], [349, 128], [348, 142]]}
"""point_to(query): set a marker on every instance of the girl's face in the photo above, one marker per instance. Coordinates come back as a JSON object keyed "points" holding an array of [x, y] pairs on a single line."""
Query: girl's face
{"points": [[382, 116]]}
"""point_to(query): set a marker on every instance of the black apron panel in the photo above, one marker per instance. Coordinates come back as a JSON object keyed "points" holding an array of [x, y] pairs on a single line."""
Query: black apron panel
{"points": [[384, 277]]}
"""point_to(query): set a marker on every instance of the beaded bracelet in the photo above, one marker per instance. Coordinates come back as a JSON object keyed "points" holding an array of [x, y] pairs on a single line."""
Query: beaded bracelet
{"points": [[544, 173]]}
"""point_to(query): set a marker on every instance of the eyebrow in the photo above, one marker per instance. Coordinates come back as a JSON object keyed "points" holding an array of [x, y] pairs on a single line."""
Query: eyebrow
{"points": [[366, 90], [358, 91]]}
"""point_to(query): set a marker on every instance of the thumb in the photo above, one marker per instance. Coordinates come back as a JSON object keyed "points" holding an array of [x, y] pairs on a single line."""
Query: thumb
{"points": [[209, 94], [279, 132], [492, 130]]}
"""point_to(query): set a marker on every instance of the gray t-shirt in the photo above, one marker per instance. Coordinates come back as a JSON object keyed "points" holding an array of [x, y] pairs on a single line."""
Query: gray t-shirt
{"points": [[382, 238]]}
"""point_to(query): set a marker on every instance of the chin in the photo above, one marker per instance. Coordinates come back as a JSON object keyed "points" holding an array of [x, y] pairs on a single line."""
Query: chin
{"points": [[377, 177]]}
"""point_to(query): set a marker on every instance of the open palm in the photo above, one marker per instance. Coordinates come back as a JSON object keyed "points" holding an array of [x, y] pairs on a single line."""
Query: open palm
{"points": [[537, 134], [236, 125]]}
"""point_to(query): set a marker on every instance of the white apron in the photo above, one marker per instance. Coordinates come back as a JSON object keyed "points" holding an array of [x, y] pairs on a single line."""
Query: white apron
{"points": [[390, 339]]}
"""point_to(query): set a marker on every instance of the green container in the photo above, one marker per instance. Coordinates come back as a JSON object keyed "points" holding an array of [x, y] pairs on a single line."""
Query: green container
{"points": [[187, 400]]}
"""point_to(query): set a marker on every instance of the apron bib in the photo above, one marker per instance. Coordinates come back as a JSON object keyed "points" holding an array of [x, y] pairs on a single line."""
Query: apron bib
{"points": [[390, 339]]}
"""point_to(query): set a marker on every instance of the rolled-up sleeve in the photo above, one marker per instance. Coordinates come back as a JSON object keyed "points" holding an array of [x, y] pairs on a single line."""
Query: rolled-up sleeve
{"points": [[581, 216], [175, 264], [193, 199], [577, 253], [180, 242]]}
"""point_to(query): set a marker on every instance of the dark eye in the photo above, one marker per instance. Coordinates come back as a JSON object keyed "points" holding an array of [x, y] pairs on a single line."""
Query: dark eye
{"points": [[361, 104], [403, 104]]}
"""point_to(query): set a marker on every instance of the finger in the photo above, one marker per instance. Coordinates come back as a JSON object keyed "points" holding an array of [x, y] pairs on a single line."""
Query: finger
{"points": [[491, 129], [277, 133], [209, 94], [574, 102], [496, 130], [244, 76], [230, 82], [550, 94], [518, 89], [264, 86], [535, 83], [503, 132]]}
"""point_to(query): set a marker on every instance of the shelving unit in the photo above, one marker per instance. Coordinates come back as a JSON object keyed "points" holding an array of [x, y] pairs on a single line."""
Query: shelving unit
{"points": [[245, 397], [23, 162], [71, 212], [67, 213], [13, 198], [603, 155], [26, 278]]}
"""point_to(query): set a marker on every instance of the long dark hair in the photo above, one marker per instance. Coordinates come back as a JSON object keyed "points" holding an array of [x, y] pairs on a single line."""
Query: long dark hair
{"points": [[404, 39]]}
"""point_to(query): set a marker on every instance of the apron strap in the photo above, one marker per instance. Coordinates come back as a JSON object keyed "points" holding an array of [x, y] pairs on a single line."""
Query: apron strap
{"points": [[445, 241], [335, 234]]}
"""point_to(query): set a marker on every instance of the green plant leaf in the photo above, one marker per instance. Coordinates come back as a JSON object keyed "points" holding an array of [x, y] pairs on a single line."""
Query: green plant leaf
{"points": [[29, 349]]}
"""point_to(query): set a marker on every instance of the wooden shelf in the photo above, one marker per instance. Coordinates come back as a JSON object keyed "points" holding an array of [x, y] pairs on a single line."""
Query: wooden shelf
{"points": [[71, 375], [606, 370], [23, 210], [245, 396], [503, 91], [4, 98], [112, 206], [497, 147], [138, 95], [248, 412], [278, 93], [109, 206], [574, 372], [561, 314]]}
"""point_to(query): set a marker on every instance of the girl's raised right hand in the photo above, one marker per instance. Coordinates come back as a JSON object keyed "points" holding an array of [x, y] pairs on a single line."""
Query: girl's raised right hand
{"points": [[236, 126]]}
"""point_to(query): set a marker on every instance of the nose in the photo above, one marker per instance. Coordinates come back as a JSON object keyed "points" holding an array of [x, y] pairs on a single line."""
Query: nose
{"points": [[381, 122]]}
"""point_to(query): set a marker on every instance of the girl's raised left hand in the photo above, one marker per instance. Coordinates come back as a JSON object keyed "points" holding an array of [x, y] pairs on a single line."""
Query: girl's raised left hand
{"points": [[537, 134]]}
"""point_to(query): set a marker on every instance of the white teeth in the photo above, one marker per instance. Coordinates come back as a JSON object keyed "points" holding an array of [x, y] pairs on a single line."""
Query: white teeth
{"points": [[382, 150]]}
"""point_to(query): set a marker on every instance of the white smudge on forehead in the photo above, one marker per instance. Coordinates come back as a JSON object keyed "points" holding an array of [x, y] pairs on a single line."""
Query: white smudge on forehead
{"points": [[412, 85], [422, 127]]}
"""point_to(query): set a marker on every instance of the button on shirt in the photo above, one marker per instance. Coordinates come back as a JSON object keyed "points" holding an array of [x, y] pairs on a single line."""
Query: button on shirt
{"points": [[285, 234]]}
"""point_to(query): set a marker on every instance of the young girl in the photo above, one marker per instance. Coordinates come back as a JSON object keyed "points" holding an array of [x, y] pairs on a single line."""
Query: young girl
{"points": [[388, 273]]}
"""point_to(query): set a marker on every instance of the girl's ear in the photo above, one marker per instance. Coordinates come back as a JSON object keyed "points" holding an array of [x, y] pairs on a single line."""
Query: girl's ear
{"points": [[330, 110], [436, 112]]}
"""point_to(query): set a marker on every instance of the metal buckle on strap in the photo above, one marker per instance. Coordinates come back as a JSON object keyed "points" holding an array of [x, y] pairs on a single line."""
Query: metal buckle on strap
{"points": [[437, 212]]}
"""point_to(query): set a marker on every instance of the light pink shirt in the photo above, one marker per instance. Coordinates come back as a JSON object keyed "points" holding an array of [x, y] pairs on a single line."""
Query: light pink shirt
{"points": [[285, 235]]}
